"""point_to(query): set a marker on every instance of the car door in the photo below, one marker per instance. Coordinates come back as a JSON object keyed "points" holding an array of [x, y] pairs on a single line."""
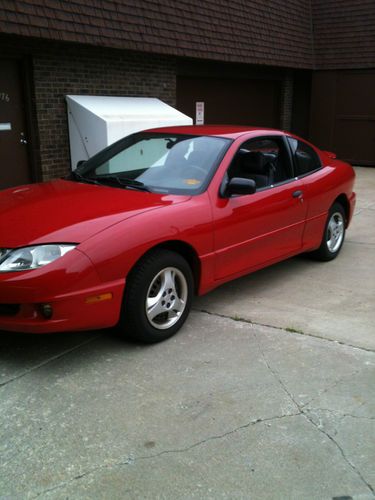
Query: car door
{"points": [[255, 229], [319, 191]]}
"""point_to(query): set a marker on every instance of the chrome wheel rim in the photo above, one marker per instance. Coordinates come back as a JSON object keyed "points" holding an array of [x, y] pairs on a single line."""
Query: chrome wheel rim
{"points": [[335, 232], [166, 298]]}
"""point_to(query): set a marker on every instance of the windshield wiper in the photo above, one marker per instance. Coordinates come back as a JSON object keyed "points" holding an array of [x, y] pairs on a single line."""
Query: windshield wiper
{"points": [[79, 177], [124, 181]]}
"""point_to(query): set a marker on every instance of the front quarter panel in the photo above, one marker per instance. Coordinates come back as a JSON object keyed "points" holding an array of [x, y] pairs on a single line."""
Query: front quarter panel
{"points": [[115, 251], [65, 285]]}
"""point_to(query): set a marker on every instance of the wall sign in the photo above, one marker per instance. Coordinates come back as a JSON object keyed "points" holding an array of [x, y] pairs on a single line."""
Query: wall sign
{"points": [[199, 113], [4, 97], [5, 126]]}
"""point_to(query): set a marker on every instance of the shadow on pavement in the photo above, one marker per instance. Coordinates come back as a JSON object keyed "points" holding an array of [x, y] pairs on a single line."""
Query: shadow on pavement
{"points": [[21, 353]]}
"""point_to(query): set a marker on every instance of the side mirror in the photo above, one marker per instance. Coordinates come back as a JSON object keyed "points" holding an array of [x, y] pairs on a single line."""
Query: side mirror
{"points": [[240, 185]]}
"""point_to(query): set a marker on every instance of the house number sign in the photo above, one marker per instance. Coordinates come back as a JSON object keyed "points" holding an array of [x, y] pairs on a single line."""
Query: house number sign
{"points": [[4, 97]]}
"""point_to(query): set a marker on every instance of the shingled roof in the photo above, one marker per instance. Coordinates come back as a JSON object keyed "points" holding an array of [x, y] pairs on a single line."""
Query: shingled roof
{"points": [[344, 33], [274, 32], [291, 33]]}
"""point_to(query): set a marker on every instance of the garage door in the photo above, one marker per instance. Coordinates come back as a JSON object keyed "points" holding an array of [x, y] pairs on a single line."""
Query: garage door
{"points": [[343, 114], [227, 101], [14, 168], [354, 132]]}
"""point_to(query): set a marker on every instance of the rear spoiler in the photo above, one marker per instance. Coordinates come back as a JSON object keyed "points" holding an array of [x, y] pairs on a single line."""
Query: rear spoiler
{"points": [[331, 155]]}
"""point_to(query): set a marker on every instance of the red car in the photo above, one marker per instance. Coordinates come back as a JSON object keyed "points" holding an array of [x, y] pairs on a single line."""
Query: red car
{"points": [[136, 230]]}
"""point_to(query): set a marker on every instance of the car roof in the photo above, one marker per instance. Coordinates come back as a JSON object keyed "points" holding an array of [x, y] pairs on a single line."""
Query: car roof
{"points": [[228, 131]]}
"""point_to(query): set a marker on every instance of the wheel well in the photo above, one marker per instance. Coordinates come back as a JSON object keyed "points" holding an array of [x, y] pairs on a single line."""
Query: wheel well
{"points": [[343, 200], [187, 252]]}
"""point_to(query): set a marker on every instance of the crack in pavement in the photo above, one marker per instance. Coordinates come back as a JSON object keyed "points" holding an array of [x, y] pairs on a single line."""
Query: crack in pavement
{"points": [[219, 436], [339, 413], [332, 386], [305, 413], [49, 360], [343, 454], [132, 460], [344, 415], [286, 330]]}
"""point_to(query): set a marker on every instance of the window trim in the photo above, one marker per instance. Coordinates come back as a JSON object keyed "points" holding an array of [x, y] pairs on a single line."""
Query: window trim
{"points": [[283, 143]]}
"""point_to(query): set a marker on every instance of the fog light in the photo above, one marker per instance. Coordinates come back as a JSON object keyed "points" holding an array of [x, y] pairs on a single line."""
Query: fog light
{"points": [[46, 310]]}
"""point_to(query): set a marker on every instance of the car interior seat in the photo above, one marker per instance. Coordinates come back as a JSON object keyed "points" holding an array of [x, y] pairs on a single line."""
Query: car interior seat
{"points": [[256, 166]]}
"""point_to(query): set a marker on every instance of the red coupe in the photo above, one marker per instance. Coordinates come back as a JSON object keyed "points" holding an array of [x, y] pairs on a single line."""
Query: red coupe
{"points": [[136, 230]]}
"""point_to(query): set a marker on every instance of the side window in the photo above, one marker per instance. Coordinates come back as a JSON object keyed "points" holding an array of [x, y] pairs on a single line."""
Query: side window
{"points": [[262, 160], [305, 158]]}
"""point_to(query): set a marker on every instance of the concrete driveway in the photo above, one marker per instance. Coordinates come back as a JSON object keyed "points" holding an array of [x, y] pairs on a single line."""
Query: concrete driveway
{"points": [[266, 393]]}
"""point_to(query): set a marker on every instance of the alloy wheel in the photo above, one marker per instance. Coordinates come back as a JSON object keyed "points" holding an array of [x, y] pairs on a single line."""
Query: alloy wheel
{"points": [[166, 298]]}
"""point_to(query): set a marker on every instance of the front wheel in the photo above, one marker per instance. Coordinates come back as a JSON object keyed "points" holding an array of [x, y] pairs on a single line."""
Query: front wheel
{"points": [[334, 234], [158, 297]]}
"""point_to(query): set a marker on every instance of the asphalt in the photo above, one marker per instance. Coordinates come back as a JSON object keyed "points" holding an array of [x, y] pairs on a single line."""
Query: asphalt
{"points": [[266, 393]]}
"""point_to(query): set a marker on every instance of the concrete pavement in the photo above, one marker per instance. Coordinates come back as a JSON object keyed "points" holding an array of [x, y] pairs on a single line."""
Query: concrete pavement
{"points": [[266, 393]]}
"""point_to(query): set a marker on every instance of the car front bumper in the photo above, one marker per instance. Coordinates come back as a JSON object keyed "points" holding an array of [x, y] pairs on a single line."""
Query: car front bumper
{"points": [[72, 291]]}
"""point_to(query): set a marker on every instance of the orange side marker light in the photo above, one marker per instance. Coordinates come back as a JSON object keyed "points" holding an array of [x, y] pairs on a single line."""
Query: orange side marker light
{"points": [[99, 298]]}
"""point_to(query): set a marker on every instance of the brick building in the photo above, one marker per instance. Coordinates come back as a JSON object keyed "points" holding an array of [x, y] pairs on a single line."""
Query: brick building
{"points": [[306, 66]]}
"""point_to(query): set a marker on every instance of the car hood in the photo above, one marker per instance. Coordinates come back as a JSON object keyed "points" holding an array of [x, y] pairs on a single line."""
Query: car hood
{"points": [[69, 212]]}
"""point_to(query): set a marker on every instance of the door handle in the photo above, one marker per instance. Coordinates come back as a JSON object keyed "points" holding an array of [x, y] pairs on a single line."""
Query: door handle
{"points": [[297, 194]]}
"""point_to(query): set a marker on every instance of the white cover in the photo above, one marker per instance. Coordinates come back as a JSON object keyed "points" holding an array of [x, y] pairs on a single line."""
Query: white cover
{"points": [[97, 121]]}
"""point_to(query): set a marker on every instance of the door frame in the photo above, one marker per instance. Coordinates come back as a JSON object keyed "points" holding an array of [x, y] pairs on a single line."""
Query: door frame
{"points": [[25, 65], [27, 83], [281, 191]]}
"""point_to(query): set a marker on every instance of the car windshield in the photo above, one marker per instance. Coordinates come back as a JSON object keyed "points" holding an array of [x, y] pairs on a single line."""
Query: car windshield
{"points": [[163, 163]]}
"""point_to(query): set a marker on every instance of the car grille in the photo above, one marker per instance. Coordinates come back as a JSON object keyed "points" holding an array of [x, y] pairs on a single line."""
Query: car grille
{"points": [[9, 309]]}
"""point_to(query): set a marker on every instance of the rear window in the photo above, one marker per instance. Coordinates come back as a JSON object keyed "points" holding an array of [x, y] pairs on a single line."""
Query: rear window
{"points": [[305, 158]]}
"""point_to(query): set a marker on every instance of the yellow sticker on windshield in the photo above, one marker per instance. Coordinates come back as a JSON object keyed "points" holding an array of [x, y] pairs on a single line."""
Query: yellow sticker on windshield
{"points": [[192, 182]]}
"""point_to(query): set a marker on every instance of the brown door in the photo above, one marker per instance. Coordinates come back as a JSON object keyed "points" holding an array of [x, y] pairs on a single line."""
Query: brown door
{"points": [[231, 101], [14, 168], [354, 132], [343, 114]]}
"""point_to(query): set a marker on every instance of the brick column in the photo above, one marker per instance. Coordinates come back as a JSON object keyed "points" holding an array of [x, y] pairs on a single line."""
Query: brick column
{"points": [[286, 101]]}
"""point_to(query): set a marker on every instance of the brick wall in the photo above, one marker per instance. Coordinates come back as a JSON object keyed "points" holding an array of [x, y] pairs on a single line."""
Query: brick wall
{"points": [[75, 70], [61, 69]]}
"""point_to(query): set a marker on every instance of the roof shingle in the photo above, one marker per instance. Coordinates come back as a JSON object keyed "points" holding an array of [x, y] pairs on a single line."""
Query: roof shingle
{"points": [[272, 32]]}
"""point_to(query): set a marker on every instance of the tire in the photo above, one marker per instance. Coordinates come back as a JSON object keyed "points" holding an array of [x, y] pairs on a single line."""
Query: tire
{"points": [[157, 298], [334, 234]]}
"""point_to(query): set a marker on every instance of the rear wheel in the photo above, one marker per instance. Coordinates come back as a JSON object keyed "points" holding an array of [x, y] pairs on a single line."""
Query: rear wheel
{"points": [[334, 234], [158, 297]]}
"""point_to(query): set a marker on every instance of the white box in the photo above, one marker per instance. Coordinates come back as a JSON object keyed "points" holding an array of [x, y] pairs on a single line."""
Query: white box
{"points": [[98, 121]]}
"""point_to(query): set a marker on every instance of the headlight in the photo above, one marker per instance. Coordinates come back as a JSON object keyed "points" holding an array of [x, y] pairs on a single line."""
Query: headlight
{"points": [[24, 259]]}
